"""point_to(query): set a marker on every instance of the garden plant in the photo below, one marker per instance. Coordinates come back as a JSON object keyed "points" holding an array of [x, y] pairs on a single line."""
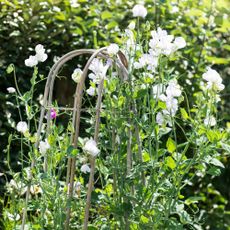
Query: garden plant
{"points": [[128, 149]]}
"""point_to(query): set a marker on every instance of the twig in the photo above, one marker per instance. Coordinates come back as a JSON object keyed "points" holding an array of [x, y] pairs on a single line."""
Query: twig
{"points": [[77, 104], [92, 170]]}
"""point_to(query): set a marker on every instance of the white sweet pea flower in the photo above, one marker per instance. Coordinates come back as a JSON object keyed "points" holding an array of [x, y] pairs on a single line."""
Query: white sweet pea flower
{"points": [[43, 146], [22, 127], [85, 168], [130, 42], [96, 66], [215, 86], [94, 78], [163, 118], [173, 89], [39, 49], [171, 105], [213, 79], [162, 43], [76, 75], [16, 186], [11, 90], [174, 9], [31, 61], [40, 56], [217, 98], [179, 42], [162, 97], [211, 75], [91, 148], [91, 91], [139, 11], [99, 70], [160, 118], [142, 62], [56, 9], [13, 217], [210, 121], [113, 49], [40, 53], [131, 25], [158, 90], [74, 3], [147, 59]]}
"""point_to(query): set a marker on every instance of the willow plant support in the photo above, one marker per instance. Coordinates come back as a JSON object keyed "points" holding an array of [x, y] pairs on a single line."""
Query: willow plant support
{"points": [[121, 62]]}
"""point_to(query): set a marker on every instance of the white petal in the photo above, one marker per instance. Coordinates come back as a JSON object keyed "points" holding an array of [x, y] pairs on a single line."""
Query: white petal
{"points": [[31, 61], [113, 49], [22, 127], [180, 42], [11, 90], [139, 11], [85, 168], [91, 148]]}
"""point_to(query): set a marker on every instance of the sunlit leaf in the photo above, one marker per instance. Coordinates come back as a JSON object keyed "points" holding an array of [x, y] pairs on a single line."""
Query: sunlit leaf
{"points": [[10, 68], [171, 145], [184, 113], [106, 15], [170, 162], [216, 162]]}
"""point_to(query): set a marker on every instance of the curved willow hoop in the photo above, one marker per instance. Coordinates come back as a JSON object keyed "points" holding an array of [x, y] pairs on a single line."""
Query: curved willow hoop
{"points": [[47, 102]]}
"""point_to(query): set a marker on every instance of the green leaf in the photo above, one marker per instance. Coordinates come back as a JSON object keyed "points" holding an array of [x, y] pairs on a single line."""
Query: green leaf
{"points": [[170, 162], [184, 114], [226, 47], [193, 199], [161, 105], [106, 15], [111, 25], [171, 146], [60, 16], [164, 131], [51, 139], [214, 135], [226, 147], [28, 111], [121, 100], [216, 60], [33, 139], [194, 12], [214, 171], [216, 162], [133, 226], [71, 151], [78, 31], [35, 73], [90, 227], [36, 226], [10, 68], [145, 156], [144, 219], [26, 97], [15, 33]]}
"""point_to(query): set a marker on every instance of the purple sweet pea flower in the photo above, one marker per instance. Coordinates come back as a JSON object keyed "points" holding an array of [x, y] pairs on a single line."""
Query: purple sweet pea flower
{"points": [[53, 114]]}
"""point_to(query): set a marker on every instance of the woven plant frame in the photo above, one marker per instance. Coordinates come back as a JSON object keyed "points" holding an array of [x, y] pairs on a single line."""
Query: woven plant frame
{"points": [[121, 64]]}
